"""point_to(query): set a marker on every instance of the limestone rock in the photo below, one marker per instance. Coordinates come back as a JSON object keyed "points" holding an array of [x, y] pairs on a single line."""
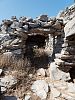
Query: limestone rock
{"points": [[3, 89], [6, 43], [56, 74], [67, 97], [27, 97], [15, 41], [4, 28], [70, 28], [1, 71], [71, 87], [43, 18], [55, 93], [7, 81], [15, 24], [41, 72], [4, 37], [40, 88], [59, 61]]}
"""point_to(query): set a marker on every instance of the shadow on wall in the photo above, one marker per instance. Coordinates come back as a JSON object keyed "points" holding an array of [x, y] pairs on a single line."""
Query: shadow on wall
{"points": [[9, 98]]}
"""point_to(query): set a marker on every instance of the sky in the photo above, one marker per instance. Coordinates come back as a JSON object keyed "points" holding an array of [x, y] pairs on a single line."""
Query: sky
{"points": [[31, 8]]}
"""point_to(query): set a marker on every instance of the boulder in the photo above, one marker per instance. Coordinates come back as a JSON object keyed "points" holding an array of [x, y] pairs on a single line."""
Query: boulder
{"points": [[56, 74], [40, 88]]}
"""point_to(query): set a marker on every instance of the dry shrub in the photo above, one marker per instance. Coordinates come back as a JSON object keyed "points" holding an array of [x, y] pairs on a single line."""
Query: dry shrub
{"points": [[13, 62], [5, 60]]}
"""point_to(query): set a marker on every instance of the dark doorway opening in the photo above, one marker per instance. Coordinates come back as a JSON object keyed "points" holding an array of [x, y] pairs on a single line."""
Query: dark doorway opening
{"points": [[36, 40], [35, 45]]}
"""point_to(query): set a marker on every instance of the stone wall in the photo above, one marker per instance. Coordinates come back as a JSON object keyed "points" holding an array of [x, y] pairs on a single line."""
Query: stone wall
{"points": [[14, 32]]}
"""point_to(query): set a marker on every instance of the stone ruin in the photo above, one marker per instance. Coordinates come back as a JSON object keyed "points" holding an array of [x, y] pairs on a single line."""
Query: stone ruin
{"points": [[56, 36]]}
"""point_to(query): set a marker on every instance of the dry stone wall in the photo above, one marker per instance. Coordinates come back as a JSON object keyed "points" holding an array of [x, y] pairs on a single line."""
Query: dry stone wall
{"points": [[14, 32]]}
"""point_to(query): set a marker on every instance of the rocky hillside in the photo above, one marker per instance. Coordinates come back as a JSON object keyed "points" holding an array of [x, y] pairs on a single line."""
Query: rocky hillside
{"points": [[37, 57]]}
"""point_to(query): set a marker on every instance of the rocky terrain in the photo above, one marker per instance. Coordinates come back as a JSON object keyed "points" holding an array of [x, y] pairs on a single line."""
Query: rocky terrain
{"points": [[37, 57]]}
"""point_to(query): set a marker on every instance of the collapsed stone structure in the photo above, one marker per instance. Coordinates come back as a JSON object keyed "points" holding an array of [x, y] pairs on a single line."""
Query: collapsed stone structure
{"points": [[56, 37], [17, 32]]}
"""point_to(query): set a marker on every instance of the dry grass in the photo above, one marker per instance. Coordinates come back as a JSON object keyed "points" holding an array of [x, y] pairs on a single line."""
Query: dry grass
{"points": [[22, 67], [13, 62]]}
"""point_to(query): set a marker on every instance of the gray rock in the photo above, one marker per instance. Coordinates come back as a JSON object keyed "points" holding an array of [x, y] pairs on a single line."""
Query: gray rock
{"points": [[41, 72], [20, 29], [18, 51], [43, 18], [55, 93], [4, 37], [21, 19], [4, 28], [15, 24], [27, 97], [60, 85], [6, 43], [3, 89], [15, 41], [71, 87], [10, 30], [29, 19], [70, 28], [33, 25], [68, 97], [56, 74], [40, 88], [1, 71], [14, 18], [7, 81], [25, 27]]}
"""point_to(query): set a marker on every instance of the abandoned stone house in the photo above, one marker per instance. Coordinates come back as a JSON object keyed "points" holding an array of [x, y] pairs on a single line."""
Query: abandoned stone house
{"points": [[44, 41]]}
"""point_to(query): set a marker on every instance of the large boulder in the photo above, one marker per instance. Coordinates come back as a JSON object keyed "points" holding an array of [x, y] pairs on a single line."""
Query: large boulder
{"points": [[70, 28], [56, 74]]}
